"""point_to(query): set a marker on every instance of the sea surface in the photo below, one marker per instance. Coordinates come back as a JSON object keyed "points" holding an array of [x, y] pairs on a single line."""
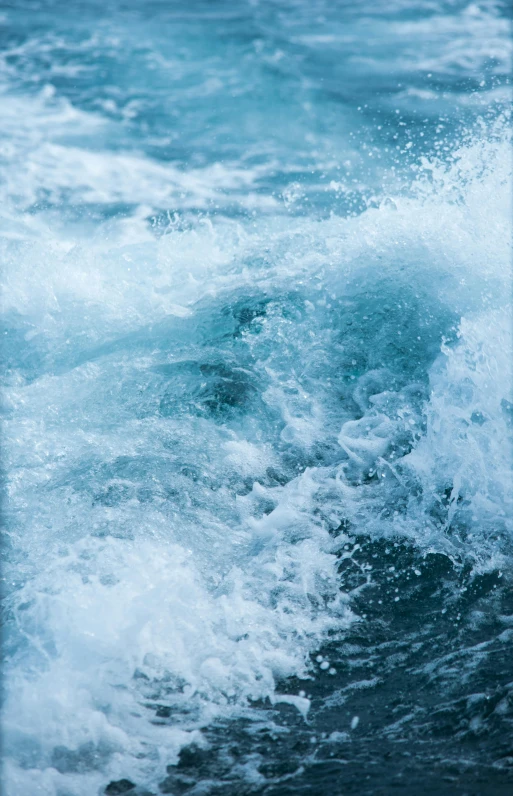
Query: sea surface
{"points": [[257, 397]]}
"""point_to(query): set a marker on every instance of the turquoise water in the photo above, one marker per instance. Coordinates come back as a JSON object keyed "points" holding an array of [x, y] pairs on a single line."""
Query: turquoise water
{"points": [[257, 397]]}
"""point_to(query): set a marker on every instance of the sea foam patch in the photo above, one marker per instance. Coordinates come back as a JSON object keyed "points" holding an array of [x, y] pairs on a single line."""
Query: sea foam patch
{"points": [[219, 389]]}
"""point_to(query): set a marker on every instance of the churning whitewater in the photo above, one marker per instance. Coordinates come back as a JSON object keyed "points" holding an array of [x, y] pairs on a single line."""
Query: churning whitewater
{"points": [[257, 398]]}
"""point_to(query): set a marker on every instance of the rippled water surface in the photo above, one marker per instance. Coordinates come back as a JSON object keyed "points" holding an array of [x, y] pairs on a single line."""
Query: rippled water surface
{"points": [[257, 397]]}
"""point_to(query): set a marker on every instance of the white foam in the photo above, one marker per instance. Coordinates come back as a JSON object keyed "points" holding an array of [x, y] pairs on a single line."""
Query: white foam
{"points": [[204, 608]]}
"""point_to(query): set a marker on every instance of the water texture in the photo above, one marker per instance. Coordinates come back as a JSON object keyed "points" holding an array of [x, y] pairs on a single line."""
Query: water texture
{"points": [[257, 397]]}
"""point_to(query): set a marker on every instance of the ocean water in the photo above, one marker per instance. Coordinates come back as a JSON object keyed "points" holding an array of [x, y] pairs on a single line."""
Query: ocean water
{"points": [[257, 397]]}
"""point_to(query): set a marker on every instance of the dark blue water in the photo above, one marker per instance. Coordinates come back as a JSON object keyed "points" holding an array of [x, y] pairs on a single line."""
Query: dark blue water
{"points": [[257, 397]]}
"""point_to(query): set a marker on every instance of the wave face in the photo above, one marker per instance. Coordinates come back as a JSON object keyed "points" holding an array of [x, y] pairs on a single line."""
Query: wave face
{"points": [[257, 397]]}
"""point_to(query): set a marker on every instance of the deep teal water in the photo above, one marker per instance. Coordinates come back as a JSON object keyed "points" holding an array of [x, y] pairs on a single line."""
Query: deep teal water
{"points": [[257, 397]]}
